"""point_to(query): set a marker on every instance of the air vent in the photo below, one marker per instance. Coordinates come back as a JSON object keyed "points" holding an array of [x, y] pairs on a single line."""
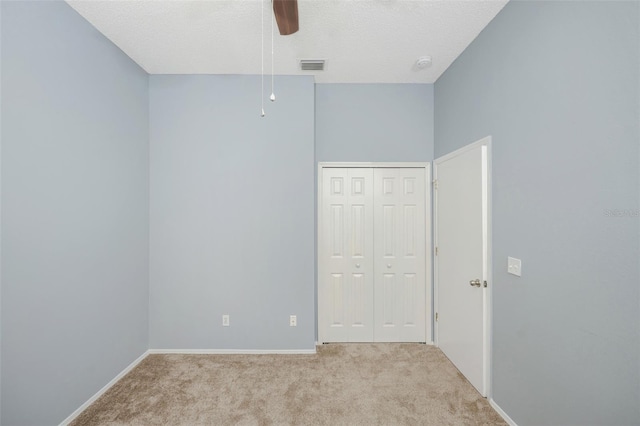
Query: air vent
{"points": [[312, 64]]}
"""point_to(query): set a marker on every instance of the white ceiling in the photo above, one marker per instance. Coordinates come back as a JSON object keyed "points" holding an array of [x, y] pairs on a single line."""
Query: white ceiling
{"points": [[363, 41]]}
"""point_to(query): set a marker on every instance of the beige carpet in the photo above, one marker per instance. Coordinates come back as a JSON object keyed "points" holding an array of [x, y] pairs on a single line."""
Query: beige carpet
{"points": [[350, 384]]}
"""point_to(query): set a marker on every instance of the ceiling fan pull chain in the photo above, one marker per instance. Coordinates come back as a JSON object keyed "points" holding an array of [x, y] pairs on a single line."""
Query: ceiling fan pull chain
{"points": [[262, 59], [273, 95]]}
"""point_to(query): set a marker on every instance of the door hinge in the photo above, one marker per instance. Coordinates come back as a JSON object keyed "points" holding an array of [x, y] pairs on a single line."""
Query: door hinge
{"points": [[435, 184], [436, 317], [436, 250]]}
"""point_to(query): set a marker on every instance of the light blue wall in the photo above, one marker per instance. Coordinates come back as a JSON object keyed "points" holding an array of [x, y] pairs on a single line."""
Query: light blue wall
{"points": [[374, 122], [74, 212], [0, 215], [232, 208], [556, 85]]}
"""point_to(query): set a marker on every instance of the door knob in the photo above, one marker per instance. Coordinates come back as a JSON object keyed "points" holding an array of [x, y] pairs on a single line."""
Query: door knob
{"points": [[475, 283], [357, 265], [388, 265]]}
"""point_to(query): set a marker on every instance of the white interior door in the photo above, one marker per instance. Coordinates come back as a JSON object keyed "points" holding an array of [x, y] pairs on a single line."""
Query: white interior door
{"points": [[346, 255], [400, 244], [461, 214]]}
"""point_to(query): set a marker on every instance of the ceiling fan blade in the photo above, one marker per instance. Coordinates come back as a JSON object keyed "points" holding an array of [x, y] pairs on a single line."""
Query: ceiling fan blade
{"points": [[286, 12]]}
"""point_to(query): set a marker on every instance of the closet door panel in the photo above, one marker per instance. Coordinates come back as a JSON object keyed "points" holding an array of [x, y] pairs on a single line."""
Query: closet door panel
{"points": [[400, 250], [372, 283], [346, 255]]}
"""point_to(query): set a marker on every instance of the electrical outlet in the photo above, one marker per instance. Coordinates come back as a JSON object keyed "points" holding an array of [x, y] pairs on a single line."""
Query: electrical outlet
{"points": [[293, 321], [225, 320]]}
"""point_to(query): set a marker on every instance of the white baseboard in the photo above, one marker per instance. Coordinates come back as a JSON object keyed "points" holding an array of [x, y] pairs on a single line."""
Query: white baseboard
{"points": [[234, 351], [106, 387], [502, 413]]}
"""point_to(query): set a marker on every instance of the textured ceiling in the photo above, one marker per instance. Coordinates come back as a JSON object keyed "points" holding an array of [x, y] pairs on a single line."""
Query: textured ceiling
{"points": [[363, 41]]}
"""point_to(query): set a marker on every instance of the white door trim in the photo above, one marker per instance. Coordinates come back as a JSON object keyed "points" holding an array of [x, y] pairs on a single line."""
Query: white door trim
{"points": [[395, 165], [487, 253], [428, 248]]}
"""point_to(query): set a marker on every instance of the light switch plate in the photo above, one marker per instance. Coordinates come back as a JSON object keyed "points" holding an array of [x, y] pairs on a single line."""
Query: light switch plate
{"points": [[514, 266]]}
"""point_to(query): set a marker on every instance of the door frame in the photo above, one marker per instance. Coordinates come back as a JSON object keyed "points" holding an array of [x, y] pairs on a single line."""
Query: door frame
{"points": [[428, 242], [487, 297]]}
